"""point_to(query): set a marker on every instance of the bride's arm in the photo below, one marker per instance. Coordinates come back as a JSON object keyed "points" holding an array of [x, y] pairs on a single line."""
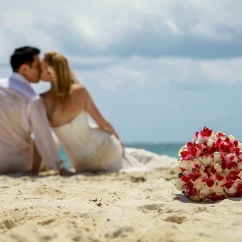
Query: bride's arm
{"points": [[93, 111]]}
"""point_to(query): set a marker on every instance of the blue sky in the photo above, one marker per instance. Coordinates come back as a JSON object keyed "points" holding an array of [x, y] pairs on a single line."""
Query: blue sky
{"points": [[159, 70]]}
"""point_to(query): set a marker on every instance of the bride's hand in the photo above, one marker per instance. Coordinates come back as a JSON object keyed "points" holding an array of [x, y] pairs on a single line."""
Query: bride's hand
{"points": [[65, 172]]}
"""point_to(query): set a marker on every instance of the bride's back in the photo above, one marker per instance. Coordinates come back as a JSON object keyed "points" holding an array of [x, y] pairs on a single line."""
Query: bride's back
{"points": [[62, 113], [67, 105]]}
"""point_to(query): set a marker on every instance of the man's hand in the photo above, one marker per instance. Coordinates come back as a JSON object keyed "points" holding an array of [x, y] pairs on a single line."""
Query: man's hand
{"points": [[65, 172]]}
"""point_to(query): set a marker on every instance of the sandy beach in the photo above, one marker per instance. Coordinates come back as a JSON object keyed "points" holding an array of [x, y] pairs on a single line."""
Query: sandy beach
{"points": [[125, 206]]}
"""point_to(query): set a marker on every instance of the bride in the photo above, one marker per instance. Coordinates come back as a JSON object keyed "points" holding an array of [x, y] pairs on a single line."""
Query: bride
{"points": [[68, 104]]}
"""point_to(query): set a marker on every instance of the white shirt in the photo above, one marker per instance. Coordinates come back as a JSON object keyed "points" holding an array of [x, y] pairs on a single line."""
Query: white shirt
{"points": [[22, 113]]}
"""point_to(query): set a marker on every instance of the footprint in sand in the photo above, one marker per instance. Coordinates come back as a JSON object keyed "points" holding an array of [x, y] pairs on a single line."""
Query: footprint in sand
{"points": [[47, 221], [121, 232], [6, 224], [44, 190], [176, 219], [200, 209], [154, 207], [137, 179]]}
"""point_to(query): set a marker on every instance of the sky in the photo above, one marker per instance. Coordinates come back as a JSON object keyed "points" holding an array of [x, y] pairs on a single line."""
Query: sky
{"points": [[159, 70]]}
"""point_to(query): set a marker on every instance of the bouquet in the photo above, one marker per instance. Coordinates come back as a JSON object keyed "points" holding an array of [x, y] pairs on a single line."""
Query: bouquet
{"points": [[210, 167]]}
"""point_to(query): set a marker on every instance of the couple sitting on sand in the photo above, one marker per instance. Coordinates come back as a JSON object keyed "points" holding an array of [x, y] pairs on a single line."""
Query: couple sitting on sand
{"points": [[25, 117]]}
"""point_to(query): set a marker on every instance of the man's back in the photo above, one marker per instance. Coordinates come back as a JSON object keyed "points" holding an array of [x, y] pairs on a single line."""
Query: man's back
{"points": [[16, 144], [22, 112]]}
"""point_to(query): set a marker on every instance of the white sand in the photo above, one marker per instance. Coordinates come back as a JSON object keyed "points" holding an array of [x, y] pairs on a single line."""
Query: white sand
{"points": [[132, 206]]}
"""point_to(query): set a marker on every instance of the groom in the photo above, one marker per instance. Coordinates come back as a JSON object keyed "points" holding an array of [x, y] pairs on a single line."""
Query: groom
{"points": [[25, 136]]}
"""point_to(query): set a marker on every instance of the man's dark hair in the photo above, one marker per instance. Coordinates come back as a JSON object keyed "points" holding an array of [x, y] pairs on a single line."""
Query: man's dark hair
{"points": [[23, 55]]}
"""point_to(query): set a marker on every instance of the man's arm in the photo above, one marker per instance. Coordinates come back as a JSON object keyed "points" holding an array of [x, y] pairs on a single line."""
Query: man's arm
{"points": [[44, 142]]}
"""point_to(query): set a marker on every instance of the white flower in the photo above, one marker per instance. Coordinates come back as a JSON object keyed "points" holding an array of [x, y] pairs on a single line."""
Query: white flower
{"points": [[218, 168], [183, 148], [240, 146], [240, 165], [179, 184], [213, 137], [204, 191], [196, 162], [206, 160], [200, 139], [210, 142], [176, 168], [185, 164], [202, 168], [217, 157], [231, 157], [217, 189], [230, 190], [220, 183], [198, 184], [231, 137]]}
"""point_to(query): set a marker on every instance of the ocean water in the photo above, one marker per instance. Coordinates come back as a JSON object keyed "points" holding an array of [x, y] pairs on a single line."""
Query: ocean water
{"points": [[169, 149]]}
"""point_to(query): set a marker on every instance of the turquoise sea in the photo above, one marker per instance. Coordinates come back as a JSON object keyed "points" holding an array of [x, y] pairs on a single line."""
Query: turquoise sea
{"points": [[170, 149]]}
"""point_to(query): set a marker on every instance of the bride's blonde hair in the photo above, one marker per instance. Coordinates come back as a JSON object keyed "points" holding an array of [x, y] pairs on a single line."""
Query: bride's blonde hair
{"points": [[62, 75]]}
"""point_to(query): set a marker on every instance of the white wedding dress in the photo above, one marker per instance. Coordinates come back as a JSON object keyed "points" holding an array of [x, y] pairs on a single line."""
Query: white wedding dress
{"points": [[88, 148]]}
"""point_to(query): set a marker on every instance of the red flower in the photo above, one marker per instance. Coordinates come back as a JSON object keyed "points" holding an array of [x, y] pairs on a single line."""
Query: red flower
{"points": [[236, 143], [219, 177], [185, 178], [237, 194], [234, 174], [227, 140], [212, 169], [220, 134], [224, 164], [192, 150], [237, 151], [231, 146], [229, 183], [224, 147], [231, 165], [196, 166], [194, 176], [217, 144], [210, 182], [185, 155], [214, 197], [206, 132], [239, 187], [207, 170], [190, 190]]}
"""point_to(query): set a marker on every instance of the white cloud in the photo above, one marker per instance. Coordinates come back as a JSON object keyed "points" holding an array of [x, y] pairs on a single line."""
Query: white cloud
{"points": [[148, 71], [17, 20], [93, 26], [107, 24], [227, 71]]}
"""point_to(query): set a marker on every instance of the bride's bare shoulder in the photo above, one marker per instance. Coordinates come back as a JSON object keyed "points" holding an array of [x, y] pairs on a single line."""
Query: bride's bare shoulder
{"points": [[79, 90]]}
